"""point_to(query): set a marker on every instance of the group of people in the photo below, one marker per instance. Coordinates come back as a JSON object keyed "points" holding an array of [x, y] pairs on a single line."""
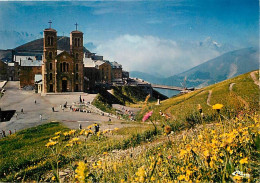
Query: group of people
{"points": [[3, 134]]}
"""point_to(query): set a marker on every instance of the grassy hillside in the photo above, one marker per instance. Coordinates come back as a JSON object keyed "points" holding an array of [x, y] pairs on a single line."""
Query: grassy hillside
{"points": [[185, 146], [243, 96], [124, 95]]}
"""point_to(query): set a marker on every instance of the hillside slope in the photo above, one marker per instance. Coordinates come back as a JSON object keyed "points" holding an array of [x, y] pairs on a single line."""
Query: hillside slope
{"points": [[242, 94], [186, 146]]}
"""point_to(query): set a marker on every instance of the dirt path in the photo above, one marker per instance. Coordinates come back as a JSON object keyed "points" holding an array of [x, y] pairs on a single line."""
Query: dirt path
{"points": [[253, 76], [246, 105], [231, 86], [208, 99]]}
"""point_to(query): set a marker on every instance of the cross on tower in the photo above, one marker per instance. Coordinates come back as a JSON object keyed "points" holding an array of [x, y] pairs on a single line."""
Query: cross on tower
{"points": [[76, 25], [50, 23]]}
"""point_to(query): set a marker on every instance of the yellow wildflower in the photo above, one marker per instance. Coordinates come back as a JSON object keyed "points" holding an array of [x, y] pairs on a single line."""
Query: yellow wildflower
{"points": [[81, 172], [182, 152], [152, 178], [71, 132], [82, 131], [217, 106], [68, 145], [141, 174], [57, 133], [51, 143], [104, 153], [54, 138], [53, 178], [116, 129], [206, 153], [243, 161]]}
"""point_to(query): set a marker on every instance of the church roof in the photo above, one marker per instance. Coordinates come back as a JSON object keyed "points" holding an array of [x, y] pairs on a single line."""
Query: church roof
{"points": [[50, 29], [31, 63], [116, 65], [76, 31], [62, 53], [99, 62], [88, 62]]}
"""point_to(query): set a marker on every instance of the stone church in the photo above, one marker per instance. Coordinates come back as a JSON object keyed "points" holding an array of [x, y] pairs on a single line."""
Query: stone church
{"points": [[62, 72]]}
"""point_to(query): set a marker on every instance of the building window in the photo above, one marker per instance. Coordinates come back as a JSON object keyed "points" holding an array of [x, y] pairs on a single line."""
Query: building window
{"points": [[51, 88], [67, 67], [50, 55], [77, 76], [77, 67], [50, 41], [77, 87], [64, 67], [50, 66], [60, 67], [75, 41], [77, 56], [50, 76]]}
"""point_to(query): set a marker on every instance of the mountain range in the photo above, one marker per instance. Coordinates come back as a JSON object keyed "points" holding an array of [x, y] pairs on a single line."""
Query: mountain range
{"points": [[36, 47], [223, 67]]}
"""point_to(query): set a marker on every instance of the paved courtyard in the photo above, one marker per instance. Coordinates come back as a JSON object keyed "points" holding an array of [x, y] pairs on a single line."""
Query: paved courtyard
{"points": [[16, 99]]}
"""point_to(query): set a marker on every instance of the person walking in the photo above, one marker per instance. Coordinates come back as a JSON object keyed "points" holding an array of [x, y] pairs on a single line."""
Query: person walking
{"points": [[10, 132], [35, 101], [40, 117], [52, 109], [22, 110], [80, 127]]}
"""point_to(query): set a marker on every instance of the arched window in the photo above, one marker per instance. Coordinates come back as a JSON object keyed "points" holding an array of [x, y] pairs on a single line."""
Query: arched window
{"points": [[50, 66], [60, 67], [77, 67], [77, 76], [50, 76], [75, 41], [64, 67], [78, 42], [51, 41], [50, 55]]}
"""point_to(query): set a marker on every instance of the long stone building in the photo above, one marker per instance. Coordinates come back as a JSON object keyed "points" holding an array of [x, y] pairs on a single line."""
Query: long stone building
{"points": [[59, 64]]}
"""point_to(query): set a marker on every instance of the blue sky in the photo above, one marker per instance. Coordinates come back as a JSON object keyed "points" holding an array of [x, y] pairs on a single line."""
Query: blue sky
{"points": [[132, 31]]}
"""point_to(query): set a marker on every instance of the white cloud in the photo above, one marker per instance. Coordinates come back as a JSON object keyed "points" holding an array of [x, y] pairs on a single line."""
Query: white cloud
{"points": [[154, 55]]}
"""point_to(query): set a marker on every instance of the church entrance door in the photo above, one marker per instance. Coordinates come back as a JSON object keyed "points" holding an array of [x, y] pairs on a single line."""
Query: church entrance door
{"points": [[64, 85]]}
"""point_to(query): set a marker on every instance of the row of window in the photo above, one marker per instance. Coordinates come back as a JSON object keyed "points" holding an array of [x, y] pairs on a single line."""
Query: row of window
{"points": [[64, 67], [50, 56], [50, 41], [64, 89], [77, 42], [76, 76]]}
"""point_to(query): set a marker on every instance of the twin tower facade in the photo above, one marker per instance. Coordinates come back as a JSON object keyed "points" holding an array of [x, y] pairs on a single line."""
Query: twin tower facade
{"points": [[62, 72]]}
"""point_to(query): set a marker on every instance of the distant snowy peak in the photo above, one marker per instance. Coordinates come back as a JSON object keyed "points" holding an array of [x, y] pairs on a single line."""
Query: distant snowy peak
{"points": [[209, 43]]}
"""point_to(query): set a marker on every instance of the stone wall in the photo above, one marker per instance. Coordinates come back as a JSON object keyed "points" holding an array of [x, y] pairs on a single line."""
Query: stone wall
{"points": [[27, 75], [3, 71]]}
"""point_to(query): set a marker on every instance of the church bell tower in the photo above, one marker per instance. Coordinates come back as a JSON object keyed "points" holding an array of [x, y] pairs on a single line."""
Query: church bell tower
{"points": [[49, 54], [76, 50]]}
